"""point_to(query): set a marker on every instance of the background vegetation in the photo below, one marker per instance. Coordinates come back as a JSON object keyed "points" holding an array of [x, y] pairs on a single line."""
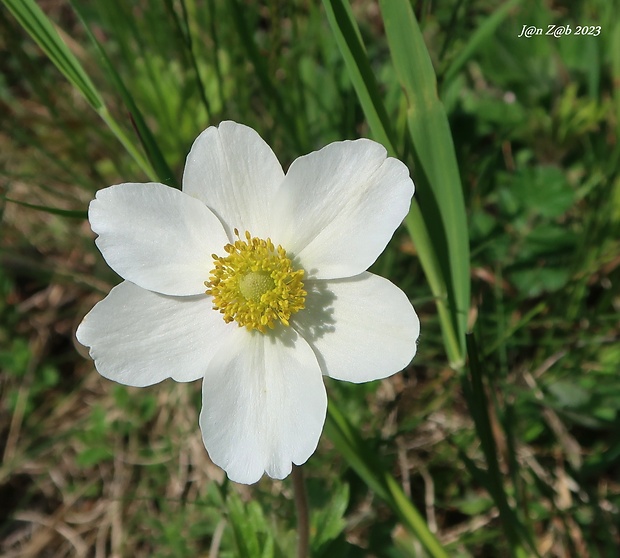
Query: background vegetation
{"points": [[501, 443]]}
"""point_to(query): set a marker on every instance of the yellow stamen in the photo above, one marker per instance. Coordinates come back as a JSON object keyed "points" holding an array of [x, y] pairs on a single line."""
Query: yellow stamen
{"points": [[255, 284]]}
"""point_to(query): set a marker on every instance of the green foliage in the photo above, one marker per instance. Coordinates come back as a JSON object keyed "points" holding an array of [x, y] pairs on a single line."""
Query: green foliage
{"points": [[327, 521], [436, 172], [513, 146]]}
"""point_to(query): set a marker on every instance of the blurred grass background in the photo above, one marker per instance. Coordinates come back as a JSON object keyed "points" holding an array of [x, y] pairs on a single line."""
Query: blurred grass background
{"points": [[518, 453]]}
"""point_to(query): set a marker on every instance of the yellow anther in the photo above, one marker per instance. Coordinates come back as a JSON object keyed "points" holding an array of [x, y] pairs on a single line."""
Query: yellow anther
{"points": [[255, 284]]}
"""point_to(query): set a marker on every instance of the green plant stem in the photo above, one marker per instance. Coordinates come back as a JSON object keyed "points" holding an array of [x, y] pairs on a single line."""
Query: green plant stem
{"points": [[301, 506]]}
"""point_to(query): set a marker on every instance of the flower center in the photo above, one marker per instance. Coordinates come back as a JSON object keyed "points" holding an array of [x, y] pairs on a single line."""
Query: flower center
{"points": [[255, 284]]}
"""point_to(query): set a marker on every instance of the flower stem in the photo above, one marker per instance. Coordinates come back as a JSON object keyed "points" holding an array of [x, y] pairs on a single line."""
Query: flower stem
{"points": [[301, 505]]}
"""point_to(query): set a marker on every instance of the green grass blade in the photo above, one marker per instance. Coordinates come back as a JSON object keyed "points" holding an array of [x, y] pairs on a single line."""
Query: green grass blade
{"points": [[189, 41], [213, 28], [55, 211], [478, 38], [478, 403], [614, 41], [419, 233], [42, 31], [154, 154], [247, 543], [347, 440], [129, 146], [367, 466], [257, 59], [39, 27], [442, 202], [349, 42], [347, 35]]}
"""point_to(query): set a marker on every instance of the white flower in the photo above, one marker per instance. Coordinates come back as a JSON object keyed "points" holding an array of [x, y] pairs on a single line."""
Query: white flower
{"points": [[285, 302]]}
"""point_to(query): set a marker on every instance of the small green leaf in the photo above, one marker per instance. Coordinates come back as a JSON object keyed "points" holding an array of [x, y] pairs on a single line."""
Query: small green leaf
{"points": [[328, 521], [569, 394], [93, 456]]}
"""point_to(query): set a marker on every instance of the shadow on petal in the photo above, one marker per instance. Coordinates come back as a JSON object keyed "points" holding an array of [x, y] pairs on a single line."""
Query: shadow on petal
{"points": [[317, 318]]}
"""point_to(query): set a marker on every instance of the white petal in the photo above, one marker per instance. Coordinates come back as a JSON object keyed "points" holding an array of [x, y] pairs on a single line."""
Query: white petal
{"points": [[362, 328], [156, 237], [139, 338], [234, 172], [264, 405], [340, 206]]}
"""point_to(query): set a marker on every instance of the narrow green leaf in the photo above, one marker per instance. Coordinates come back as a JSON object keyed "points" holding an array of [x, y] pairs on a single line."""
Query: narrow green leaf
{"points": [[39, 27], [258, 61], [478, 403], [53, 210], [365, 463], [328, 521], [42, 31], [213, 28], [418, 223], [156, 158], [442, 202], [244, 533], [349, 443], [486, 29], [190, 47], [427, 249], [614, 42], [349, 41], [509, 333]]}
